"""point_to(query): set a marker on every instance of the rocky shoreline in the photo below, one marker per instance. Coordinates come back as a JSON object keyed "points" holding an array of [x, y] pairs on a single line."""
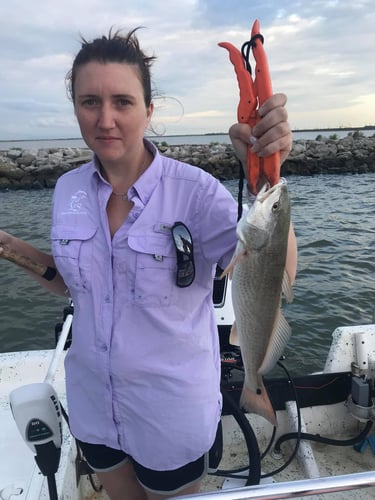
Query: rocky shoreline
{"points": [[38, 169]]}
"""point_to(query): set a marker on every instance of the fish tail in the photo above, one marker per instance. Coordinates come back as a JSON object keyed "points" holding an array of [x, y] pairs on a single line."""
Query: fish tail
{"points": [[259, 403]]}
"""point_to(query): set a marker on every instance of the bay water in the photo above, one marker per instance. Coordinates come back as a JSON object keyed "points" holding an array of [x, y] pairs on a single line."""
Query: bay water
{"points": [[174, 140], [334, 220]]}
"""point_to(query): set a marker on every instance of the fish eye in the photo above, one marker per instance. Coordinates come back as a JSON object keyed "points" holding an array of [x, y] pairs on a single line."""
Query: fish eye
{"points": [[275, 207]]}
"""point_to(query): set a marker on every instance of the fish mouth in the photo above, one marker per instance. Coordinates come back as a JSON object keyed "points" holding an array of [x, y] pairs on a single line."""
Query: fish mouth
{"points": [[266, 190]]}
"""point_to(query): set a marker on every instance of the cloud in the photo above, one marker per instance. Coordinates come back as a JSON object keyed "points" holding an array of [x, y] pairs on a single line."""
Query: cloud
{"points": [[29, 105], [316, 58]]}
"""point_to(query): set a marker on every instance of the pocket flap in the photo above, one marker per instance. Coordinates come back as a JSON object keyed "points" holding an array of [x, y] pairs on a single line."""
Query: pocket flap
{"points": [[62, 232], [153, 244]]}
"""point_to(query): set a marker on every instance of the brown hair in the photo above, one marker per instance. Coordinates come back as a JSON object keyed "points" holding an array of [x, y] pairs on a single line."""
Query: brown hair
{"points": [[114, 48]]}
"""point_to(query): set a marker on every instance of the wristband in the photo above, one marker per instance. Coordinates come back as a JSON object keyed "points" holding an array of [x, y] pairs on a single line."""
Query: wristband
{"points": [[49, 273]]}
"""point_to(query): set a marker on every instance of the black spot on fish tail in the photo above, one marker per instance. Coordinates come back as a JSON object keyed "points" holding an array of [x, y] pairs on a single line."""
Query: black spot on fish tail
{"points": [[258, 402]]}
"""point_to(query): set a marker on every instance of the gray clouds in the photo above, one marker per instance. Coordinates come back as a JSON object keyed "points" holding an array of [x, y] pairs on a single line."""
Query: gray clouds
{"points": [[320, 54]]}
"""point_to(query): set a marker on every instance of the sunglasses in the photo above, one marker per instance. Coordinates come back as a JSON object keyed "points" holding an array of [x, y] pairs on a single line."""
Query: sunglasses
{"points": [[185, 257]]}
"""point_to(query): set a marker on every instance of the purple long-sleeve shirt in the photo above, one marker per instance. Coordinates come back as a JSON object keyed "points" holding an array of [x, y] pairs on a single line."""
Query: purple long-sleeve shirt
{"points": [[143, 370]]}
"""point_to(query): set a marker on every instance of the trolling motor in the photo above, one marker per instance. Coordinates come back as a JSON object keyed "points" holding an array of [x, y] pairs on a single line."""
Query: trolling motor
{"points": [[38, 414], [36, 410]]}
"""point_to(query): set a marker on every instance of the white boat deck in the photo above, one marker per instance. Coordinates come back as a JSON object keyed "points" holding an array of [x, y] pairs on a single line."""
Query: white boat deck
{"points": [[19, 474], [20, 478]]}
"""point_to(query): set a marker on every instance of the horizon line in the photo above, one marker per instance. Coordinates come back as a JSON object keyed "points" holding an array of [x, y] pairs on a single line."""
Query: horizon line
{"points": [[321, 129]]}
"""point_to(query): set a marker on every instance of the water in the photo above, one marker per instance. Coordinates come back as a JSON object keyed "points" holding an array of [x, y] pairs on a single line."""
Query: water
{"points": [[335, 226], [172, 140], [28, 312], [335, 286]]}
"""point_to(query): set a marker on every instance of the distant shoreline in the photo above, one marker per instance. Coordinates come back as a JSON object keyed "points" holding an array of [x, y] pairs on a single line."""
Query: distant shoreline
{"points": [[40, 168], [328, 129], [343, 129], [315, 130]]}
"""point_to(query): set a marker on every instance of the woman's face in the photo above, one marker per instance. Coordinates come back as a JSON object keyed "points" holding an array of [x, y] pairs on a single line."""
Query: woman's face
{"points": [[111, 111]]}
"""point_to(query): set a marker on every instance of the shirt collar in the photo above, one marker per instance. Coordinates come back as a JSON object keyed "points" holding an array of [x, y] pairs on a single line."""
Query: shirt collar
{"points": [[145, 185], [147, 182]]}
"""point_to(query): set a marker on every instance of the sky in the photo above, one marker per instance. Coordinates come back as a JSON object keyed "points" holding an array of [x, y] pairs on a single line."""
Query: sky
{"points": [[320, 54]]}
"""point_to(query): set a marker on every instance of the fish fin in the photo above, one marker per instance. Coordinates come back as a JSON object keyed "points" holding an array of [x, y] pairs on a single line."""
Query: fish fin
{"points": [[291, 261], [286, 287], [228, 271], [233, 336], [239, 254], [276, 345], [258, 402]]}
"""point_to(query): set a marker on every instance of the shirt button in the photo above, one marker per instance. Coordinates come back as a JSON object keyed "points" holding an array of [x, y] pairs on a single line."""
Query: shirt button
{"points": [[103, 348], [107, 298]]}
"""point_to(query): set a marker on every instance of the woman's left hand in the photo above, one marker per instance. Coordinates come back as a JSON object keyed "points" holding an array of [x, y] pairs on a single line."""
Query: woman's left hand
{"points": [[271, 134]]}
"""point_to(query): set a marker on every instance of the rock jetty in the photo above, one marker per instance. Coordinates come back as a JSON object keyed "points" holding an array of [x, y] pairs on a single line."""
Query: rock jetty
{"points": [[38, 169]]}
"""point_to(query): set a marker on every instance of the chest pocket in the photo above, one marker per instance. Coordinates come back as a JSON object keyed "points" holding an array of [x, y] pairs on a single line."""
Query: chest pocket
{"points": [[155, 273], [72, 249]]}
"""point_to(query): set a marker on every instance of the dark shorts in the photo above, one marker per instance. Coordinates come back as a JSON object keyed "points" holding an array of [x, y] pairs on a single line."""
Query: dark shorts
{"points": [[104, 459]]}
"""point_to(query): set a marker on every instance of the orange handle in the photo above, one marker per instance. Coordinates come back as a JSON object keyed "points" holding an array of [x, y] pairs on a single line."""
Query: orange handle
{"points": [[248, 100], [254, 94], [262, 81], [269, 166]]}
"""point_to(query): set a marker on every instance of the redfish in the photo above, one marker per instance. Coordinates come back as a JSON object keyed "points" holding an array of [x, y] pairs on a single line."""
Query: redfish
{"points": [[259, 280]]}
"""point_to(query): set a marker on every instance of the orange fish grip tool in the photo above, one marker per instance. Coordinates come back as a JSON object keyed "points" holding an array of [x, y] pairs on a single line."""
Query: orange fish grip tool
{"points": [[253, 93]]}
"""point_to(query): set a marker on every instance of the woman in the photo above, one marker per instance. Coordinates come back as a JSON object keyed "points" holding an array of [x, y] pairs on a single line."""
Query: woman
{"points": [[143, 370]]}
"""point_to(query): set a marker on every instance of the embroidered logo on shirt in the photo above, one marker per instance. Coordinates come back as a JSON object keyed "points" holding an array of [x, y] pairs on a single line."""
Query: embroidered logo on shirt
{"points": [[76, 200], [76, 204]]}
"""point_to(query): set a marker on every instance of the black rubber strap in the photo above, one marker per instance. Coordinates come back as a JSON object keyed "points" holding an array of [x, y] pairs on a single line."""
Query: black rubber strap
{"points": [[49, 274]]}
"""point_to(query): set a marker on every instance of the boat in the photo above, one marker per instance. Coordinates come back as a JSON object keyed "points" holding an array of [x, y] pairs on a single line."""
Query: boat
{"points": [[322, 446]]}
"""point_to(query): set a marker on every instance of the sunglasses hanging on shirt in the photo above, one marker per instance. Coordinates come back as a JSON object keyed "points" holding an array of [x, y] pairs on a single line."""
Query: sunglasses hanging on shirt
{"points": [[185, 256]]}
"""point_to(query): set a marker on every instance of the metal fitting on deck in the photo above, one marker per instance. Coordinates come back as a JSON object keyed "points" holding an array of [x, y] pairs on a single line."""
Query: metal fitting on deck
{"points": [[361, 413]]}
